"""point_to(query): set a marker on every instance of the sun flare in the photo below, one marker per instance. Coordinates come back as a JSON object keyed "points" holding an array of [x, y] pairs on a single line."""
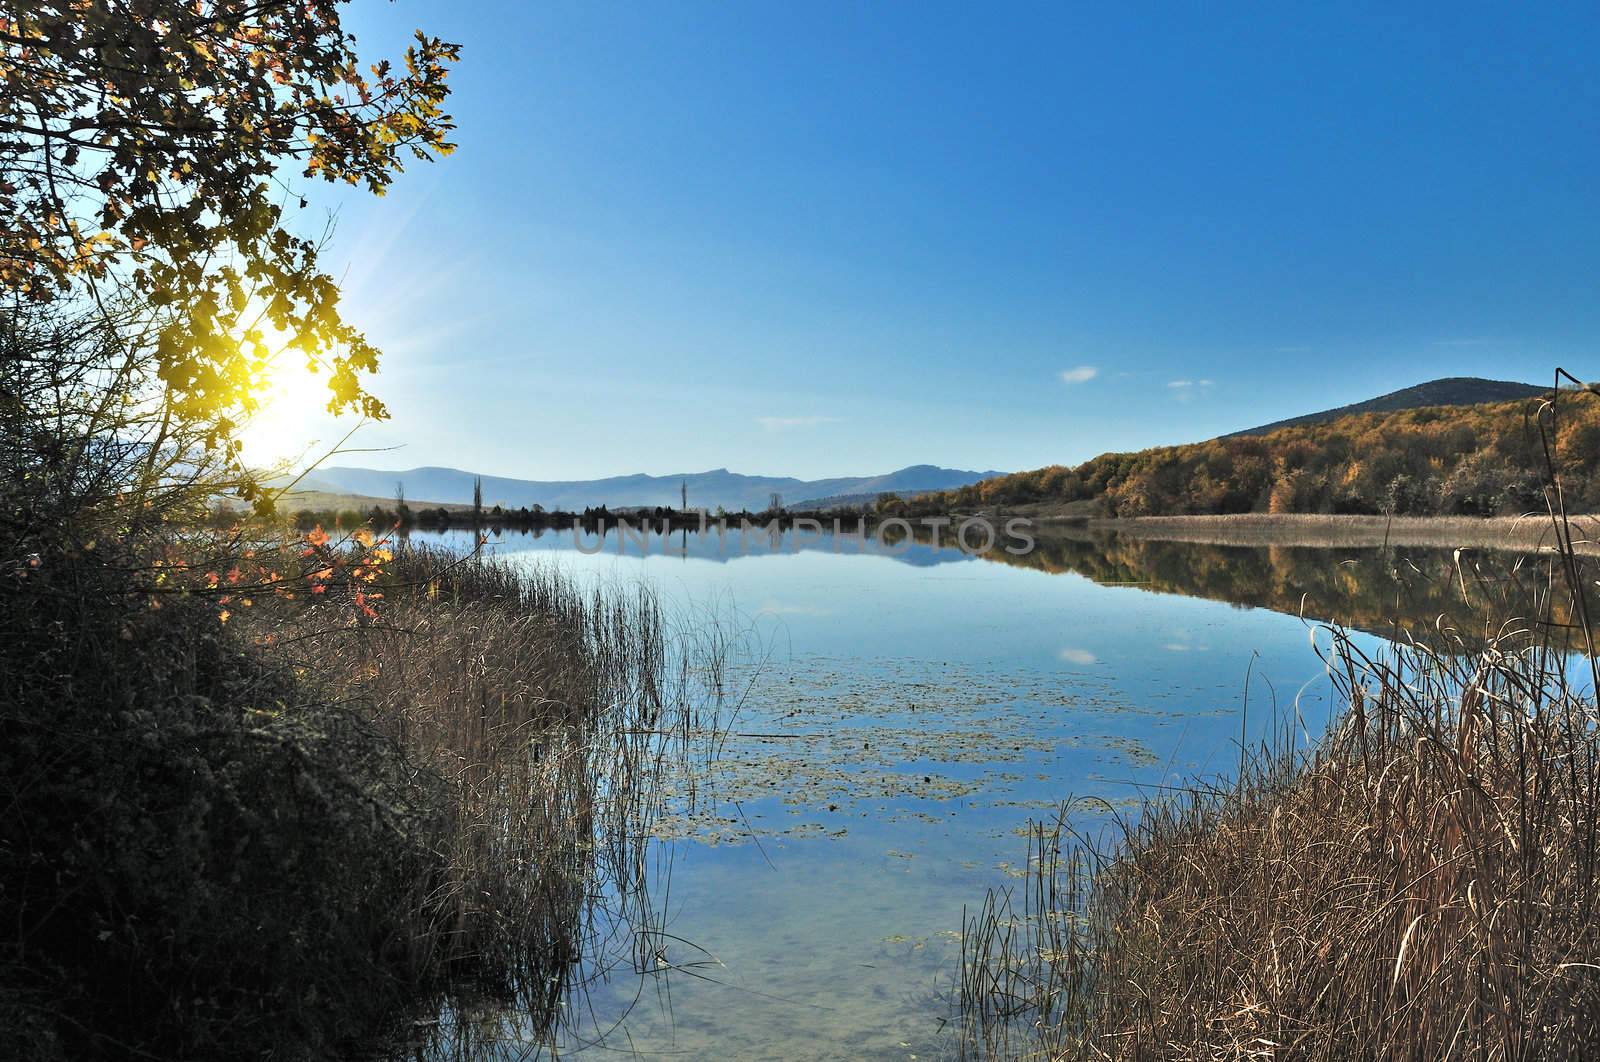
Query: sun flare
{"points": [[291, 421]]}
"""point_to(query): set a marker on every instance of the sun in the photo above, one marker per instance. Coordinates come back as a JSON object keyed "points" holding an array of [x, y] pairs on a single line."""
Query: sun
{"points": [[291, 425]]}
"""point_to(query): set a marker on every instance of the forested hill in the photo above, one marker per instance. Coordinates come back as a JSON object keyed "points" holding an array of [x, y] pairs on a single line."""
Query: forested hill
{"points": [[1475, 460], [1451, 391]]}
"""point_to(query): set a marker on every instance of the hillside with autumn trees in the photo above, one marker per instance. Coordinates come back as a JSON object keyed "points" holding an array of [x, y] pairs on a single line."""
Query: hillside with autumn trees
{"points": [[1482, 460]]}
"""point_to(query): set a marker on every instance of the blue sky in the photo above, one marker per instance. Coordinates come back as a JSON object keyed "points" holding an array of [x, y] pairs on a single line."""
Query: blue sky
{"points": [[818, 239]]}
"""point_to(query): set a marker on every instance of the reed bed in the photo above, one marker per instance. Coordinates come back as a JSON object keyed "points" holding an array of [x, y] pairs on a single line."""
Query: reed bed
{"points": [[249, 822], [1421, 885], [552, 716]]}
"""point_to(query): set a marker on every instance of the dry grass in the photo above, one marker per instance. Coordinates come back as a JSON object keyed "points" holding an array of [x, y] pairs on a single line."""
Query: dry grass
{"points": [[1423, 885], [550, 716]]}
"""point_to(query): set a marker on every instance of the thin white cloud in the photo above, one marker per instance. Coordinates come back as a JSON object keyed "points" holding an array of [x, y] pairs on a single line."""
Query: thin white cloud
{"points": [[1184, 390], [1078, 656], [1082, 374], [791, 423]]}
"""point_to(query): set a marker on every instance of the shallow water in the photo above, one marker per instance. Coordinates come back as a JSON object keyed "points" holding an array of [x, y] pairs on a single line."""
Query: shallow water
{"points": [[907, 715]]}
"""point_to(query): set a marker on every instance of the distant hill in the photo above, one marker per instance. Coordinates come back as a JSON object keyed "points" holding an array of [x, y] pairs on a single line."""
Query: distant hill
{"points": [[1450, 391], [1477, 460], [843, 501], [718, 487]]}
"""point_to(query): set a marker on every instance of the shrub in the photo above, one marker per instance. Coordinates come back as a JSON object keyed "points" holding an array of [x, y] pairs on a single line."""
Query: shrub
{"points": [[200, 855]]}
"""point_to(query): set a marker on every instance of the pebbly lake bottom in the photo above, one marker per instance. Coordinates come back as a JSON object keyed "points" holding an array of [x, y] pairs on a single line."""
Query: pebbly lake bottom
{"points": [[900, 721]]}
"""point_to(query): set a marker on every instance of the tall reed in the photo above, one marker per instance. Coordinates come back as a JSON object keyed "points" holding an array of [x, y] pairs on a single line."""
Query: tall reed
{"points": [[550, 717]]}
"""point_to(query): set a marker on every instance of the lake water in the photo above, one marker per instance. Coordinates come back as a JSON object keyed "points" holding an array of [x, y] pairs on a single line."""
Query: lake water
{"points": [[908, 714]]}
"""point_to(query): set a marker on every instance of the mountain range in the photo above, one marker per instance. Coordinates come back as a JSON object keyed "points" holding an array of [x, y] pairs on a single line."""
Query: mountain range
{"points": [[718, 487], [735, 491]]}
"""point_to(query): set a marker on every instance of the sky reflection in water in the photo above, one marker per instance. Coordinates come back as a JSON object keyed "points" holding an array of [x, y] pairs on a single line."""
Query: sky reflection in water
{"points": [[932, 703]]}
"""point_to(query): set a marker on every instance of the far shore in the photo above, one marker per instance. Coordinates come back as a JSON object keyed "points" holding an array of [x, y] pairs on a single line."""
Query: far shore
{"points": [[1534, 531]]}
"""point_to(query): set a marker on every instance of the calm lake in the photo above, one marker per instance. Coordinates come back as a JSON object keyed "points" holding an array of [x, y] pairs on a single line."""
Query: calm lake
{"points": [[907, 715]]}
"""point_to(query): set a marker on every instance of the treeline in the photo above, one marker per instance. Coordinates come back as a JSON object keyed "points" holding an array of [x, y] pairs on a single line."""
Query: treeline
{"points": [[442, 518], [1484, 460]]}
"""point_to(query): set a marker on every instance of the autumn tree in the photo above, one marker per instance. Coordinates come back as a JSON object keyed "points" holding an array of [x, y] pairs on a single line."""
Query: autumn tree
{"points": [[152, 154]]}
